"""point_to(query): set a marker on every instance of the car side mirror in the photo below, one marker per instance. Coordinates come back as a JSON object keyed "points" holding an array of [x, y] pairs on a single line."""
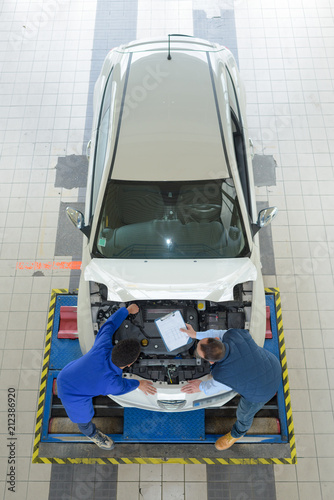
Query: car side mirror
{"points": [[78, 220], [264, 218]]}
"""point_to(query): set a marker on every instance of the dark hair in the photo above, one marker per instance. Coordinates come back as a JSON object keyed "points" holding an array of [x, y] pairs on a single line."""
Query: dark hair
{"points": [[125, 352], [213, 350]]}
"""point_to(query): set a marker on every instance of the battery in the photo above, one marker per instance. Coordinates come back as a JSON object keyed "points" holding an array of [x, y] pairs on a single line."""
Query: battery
{"points": [[216, 321], [236, 319]]}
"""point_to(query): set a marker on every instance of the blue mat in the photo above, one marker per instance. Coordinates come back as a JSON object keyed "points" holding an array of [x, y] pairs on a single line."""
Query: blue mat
{"points": [[154, 426], [63, 351]]}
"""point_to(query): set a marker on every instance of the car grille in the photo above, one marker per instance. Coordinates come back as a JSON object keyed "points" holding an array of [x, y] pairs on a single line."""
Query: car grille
{"points": [[172, 404]]}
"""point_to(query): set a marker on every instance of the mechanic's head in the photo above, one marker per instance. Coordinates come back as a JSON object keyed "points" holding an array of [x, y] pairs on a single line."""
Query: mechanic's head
{"points": [[125, 352], [211, 350]]}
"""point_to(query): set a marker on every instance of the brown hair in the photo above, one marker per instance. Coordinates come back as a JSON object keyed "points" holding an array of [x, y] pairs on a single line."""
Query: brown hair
{"points": [[213, 350]]}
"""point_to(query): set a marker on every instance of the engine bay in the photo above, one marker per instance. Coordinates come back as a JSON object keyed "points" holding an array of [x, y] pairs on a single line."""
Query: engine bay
{"points": [[155, 362]]}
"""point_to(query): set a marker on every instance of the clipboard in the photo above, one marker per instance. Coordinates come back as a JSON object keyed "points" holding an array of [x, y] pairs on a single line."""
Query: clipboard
{"points": [[169, 329]]}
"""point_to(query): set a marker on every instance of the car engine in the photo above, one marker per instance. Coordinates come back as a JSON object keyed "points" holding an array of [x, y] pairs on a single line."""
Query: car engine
{"points": [[155, 362]]}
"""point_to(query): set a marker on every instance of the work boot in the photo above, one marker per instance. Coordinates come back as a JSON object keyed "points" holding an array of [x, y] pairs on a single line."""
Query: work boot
{"points": [[102, 441], [225, 442]]}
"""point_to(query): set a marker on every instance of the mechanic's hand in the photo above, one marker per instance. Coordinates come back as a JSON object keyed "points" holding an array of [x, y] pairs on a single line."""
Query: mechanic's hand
{"points": [[147, 387], [189, 331], [191, 387], [133, 309]]}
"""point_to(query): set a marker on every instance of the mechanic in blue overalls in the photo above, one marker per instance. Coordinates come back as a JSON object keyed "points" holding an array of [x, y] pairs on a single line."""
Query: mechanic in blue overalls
{"points": [[99, 372], [239, 364]]}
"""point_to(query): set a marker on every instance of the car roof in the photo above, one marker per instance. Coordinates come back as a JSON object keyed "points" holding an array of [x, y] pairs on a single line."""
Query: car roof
{"points": [[170, 129]]}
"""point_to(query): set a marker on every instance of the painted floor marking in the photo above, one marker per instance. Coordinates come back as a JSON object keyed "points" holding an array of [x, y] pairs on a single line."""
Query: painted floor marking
{"points": [[143, 460]]}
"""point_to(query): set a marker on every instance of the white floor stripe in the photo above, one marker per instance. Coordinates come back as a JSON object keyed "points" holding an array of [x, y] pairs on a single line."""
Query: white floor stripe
{"points": [[161, 17]]}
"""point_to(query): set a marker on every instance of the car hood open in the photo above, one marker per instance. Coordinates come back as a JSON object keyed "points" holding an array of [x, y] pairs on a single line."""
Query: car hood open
{"points": [[205, 279]]}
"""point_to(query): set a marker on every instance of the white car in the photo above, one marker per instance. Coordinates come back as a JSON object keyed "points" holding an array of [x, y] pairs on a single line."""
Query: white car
{"points": [[170, 214]]}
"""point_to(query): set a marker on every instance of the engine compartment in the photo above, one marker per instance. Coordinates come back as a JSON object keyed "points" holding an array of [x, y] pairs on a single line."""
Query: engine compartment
{"points": [[143, 328], [155, 362]]}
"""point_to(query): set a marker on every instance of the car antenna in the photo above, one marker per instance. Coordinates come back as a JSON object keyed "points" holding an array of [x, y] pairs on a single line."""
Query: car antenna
{"points": [[169, 57]]}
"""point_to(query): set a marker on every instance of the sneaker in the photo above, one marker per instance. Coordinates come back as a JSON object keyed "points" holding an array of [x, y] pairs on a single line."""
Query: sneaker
{"points": [[102, 441]]}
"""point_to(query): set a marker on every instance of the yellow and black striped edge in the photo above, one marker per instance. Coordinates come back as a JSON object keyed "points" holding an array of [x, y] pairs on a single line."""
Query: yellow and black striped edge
{"points": [[186, 461], [182, 461], [45, 368], [286, 386]]}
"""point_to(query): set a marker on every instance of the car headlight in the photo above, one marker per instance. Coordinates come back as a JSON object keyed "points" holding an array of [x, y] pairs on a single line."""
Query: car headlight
{"points": [[213, 399]]}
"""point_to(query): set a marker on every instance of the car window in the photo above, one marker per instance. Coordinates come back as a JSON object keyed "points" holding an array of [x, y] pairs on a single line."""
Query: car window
{"points": [[101, 141], [174, 220], [239, 141], [241, 159], [232, 96]]}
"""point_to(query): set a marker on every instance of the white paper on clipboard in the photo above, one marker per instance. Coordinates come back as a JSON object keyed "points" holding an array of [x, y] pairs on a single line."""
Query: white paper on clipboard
{"points": [[169, 328]]}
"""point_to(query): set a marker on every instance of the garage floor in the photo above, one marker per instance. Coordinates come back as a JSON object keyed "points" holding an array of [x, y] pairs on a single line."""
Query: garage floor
{"points": [[50, 56]]}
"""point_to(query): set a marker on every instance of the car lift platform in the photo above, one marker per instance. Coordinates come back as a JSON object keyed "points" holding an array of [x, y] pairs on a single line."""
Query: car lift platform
{"points": [[143, 436]]}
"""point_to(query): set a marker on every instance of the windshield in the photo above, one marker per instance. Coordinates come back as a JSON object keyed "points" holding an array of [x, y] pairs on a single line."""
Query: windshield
{"points": [[174, 220]]}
